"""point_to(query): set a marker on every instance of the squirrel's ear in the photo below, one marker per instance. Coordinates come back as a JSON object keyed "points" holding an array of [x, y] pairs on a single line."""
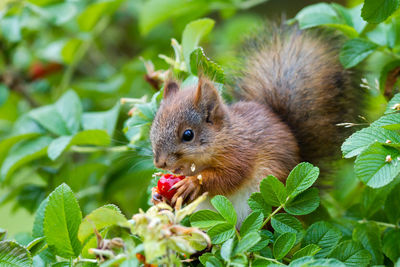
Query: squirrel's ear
{"points": [[207, 99], [170, 88]]}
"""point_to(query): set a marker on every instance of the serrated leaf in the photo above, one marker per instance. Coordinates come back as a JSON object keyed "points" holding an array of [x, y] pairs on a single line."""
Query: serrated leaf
{"points": [[36, 246], [369, 236], [283, 244], [324, 235], [393, 105], [247, 242], [257, 203], [221, 232], [376, 11], [13, 254], [372, 167], [61, 222], [361, 140], [309, 250], [301, 178], [22, 153], [253, 222], [351, 253], [200, 62], [273, 191], [102, 120], [227, 248], [391, 244], [390, 122], [192, 35], [303, 204], [37, 230], [62, 117], [225, 208], [205, 219], [354, 51], [284, 223], [99, 219]]}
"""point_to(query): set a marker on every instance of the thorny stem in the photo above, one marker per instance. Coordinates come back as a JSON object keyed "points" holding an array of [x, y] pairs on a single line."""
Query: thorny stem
{"points": [[91, 149], [270, 216], [268, 259], [389, 225]]}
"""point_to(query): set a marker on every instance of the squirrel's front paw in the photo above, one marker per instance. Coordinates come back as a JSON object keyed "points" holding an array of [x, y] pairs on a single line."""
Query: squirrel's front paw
{"points": [[189, 189]]}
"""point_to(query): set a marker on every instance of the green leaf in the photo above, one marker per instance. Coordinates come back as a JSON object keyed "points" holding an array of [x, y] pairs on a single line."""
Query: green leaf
{"points": [[37, 230], [11, 28], [227, 248], [301, 178], [70, 49], [213, 262], [13, 254], [310, 261], [368, 235], [225, 208], [88, 19], [36, 246], [283, 244], [354, 51], [361, 140], [266, 236], [154, 12], [372, 168], [284, 223], [309, 250], [103, 120], [391, 205], [376, 11], [390, 122], [273, 191], [221, 232], [99, 219], [61, 118], [199, 61], [22, 153], [7, 143], [205, 219], [257, 203], [324, 235], [351, 253], [253, 222], [315, 15], [247, 242], [392, 105], [303, 204], [61, 222], [87, 137], [192, 35], [391, 244], [4, 93]]}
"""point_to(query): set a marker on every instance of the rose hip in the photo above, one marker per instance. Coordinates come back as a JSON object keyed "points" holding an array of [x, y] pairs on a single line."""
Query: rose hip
{"points": [[166, 182]]}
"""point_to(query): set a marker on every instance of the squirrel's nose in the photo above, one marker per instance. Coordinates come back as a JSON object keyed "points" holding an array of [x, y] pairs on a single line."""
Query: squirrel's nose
{"points": [[160, 161]]}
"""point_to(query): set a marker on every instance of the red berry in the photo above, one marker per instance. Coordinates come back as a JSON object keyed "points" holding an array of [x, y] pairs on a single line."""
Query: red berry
{"points": [[166, 182]]}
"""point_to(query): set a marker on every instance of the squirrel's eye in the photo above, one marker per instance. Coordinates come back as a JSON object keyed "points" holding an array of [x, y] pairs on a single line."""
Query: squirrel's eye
{"points": [[187, 135]]}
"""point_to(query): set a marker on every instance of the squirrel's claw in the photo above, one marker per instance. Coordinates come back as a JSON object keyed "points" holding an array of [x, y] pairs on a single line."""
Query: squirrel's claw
{"points": [[188, 188]]}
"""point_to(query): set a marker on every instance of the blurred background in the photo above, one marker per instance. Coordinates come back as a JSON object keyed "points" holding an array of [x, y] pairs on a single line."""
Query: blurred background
{"points": [[97, 49]]}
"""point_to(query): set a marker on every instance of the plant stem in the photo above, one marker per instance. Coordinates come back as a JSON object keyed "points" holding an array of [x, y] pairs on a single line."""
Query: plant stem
{"points": [[91, 149], [270, 216], [268, 259], [389, 225], [237, 234]]}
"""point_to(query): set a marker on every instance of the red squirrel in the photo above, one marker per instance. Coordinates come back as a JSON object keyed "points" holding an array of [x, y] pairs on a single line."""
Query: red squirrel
{"points": [[293, 91]]}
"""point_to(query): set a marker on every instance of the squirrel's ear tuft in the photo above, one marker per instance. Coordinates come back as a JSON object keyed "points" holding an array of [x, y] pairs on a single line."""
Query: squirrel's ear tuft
{"points": [[207, 99], [170, 88]]}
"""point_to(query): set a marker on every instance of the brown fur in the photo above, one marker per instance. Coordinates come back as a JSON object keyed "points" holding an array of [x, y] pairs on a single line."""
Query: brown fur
{"points": [[295, 91]]}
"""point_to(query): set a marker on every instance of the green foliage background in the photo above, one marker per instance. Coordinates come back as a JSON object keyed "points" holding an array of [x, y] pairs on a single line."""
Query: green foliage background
{"points": [[76, 105]]}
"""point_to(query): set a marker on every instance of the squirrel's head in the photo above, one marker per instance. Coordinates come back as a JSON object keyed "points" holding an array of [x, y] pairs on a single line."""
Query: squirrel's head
{"points": [[186, 127]]}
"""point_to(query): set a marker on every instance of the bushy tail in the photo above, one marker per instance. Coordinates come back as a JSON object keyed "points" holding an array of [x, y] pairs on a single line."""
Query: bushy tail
{"points": [[298, 74]]}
